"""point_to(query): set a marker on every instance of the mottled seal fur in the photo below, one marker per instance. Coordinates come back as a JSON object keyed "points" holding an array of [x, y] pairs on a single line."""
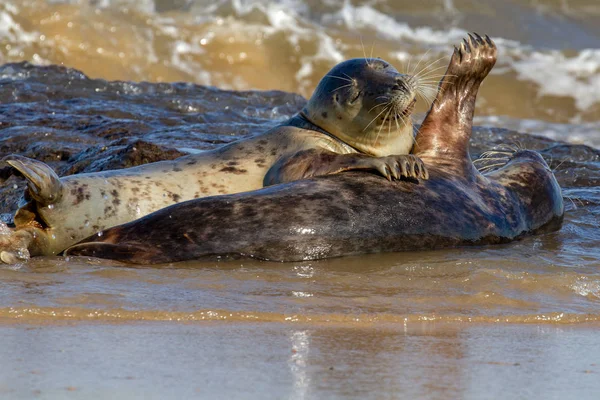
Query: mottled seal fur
{"points": [[357, 118], [355, 213]]}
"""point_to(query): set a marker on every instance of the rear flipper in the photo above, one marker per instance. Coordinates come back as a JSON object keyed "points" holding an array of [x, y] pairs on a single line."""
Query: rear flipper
{"points": [[43, 183], [14, 244], [128, 253], [318, 162]]}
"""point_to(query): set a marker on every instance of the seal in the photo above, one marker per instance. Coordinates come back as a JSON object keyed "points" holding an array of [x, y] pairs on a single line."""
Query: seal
{"points": [[357, 213], [357, 118]]}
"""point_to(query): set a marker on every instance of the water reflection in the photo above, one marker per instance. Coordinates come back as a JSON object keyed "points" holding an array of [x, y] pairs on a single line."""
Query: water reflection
{"points": [[298, 363]]}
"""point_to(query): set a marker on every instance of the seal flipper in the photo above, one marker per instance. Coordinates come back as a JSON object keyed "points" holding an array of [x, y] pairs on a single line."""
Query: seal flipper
{"points": [[128, 253], [43, 183], [317, 162], [443, 138]]}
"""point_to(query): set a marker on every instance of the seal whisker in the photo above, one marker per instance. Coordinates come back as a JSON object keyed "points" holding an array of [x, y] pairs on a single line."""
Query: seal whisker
{"points": [[428, 82], [572, 202], [519, 145], [339, 77], [427, 93], [505, 146], [405, 122], [420, 60], [437, 83], [377, 116], [383, 123], [432, 78], [490, 159], [489, 167], [378, 105], [431, 84], [424, 69], [390, 124], [364, 53], [427, 73], [493, 156], [408, 63], [495, 152], [341, 87], [561, 163]]}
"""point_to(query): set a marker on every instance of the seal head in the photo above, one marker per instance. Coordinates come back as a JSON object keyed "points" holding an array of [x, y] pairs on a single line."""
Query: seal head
{"points": [[367, 104]]}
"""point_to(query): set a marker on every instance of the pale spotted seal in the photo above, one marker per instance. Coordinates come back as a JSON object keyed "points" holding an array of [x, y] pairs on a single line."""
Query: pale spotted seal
{"points": [[356, 213], [357, 118]]}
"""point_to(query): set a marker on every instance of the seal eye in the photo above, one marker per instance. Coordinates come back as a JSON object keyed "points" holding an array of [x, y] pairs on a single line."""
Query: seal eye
{"points": [[355, 98]]}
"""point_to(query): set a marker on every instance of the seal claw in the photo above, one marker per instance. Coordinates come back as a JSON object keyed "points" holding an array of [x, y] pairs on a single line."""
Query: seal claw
{"points": [[394, 173], [465, 46], [474, 43], [479, 38], [386, 173], [405, 167]]}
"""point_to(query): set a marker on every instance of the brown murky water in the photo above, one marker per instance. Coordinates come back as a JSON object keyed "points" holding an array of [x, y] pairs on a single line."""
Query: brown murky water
{"points": [[512, 321]]}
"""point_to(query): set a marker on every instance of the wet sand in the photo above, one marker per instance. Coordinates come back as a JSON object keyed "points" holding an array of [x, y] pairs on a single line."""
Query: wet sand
{"points": [[298, 361]]}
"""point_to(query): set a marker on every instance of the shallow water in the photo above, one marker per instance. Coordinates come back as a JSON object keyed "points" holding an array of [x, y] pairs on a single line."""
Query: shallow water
{"points": [[454, 322]]}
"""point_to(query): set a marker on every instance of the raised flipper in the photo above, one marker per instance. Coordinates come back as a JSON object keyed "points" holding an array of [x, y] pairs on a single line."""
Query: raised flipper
{"points": [[443, 138], [43, 183], [130, 253], [318, 162]]}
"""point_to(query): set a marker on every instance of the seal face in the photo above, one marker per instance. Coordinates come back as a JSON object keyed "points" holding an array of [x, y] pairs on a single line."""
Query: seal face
{"points": [[357, 213], [357, 119], [366, 103]]}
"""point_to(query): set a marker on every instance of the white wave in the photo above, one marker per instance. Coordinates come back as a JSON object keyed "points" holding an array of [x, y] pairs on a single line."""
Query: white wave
{"points": [[558, 75], [287, 17], [12, 30], [367, 17]]}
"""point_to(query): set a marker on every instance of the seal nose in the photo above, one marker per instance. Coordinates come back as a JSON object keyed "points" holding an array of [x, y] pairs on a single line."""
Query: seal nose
{"points": [[401, 85]]}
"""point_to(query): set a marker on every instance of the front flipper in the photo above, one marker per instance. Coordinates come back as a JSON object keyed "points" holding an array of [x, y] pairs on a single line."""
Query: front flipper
{"points": [[128, 253], [43, 183], [317, 162]]}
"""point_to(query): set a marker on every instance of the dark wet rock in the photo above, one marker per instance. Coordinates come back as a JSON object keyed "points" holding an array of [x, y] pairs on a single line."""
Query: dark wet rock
{"points": [[574, 152], [486, 138], [123, 153], [11, 192]]}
